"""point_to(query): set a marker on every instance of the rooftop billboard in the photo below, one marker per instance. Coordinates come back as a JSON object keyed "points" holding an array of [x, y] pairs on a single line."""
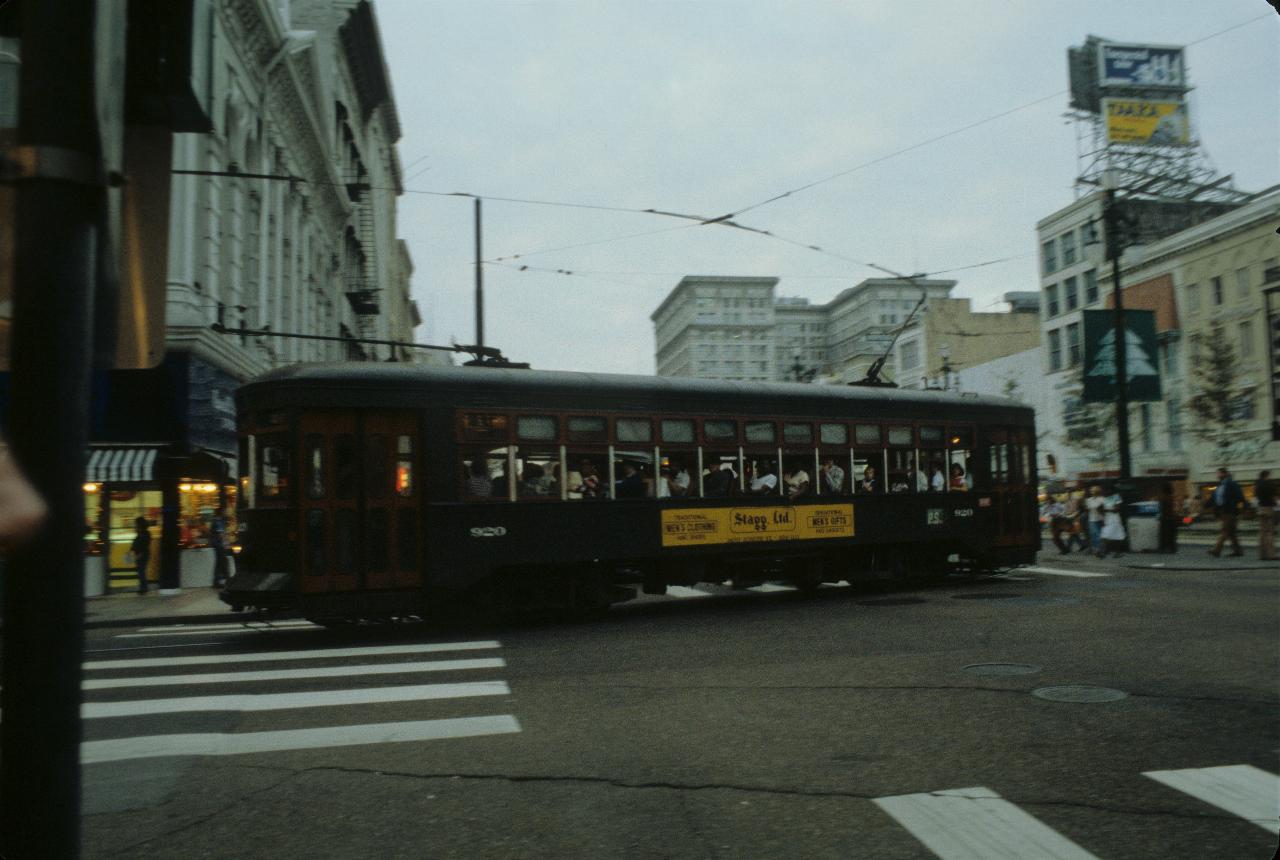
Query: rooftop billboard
{"points": [[1149, 122], [1141, 66]]}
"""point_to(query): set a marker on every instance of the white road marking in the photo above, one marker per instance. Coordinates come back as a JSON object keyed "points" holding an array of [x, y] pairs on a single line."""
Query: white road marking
{"points": [[977, 824], [161, 746], [285, 701], [769, 587], [309, 654], [295, 674], [1058, 571], [1240, 789], [683, 591], [228, 632]]}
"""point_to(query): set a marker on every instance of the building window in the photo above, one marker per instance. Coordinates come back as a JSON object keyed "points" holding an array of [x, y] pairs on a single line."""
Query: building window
{"points": [[1055, 350], [1246, 339], [1051, 303], [910, 352], [1174, 418], [1145, 412], [1068, 243], [1073, 344], [1193, 298], [1090, 286], [1242, 283], [1050, 258], [1217, 292], [1071, 293], [1169, 358]]}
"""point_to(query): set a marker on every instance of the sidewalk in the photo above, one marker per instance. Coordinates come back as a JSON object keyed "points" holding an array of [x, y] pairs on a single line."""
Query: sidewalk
{"points": [[1189, 557], [191, 605]]}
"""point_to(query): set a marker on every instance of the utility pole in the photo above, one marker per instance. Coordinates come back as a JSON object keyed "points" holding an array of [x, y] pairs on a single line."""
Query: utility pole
{"points": [[59, 198], [479, 283], [1111, 216]]}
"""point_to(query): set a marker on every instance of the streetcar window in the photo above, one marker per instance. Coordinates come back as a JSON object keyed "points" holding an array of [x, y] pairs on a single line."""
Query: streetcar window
{"points": [[273, 468], [721, 473], [344, 465], [834, 434], [635, 430], [407, 539], [760, 431], [587, 475], [484, 427], [800, 434], [315, 466], [866, 434], [719, 430], [587, 428], [632, 475], [900, 437], [315, 542], [904, 476], [484, 474], [539, 470], [539, 428], [999, 463], [797, 475], [249, 479], [832, 479], [404, 466], [344, 541], [377, 474], [868, 472], [680, 470], [760, 477], [677, 430], [377, 539], [930, 437], [960, 460], [933, 466]]}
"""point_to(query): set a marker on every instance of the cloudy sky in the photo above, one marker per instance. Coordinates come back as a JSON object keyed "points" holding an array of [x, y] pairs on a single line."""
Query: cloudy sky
{"points": [[712, 107]]}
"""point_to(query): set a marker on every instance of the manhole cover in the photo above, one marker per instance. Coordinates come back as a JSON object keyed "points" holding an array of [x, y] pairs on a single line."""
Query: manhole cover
{"points": [[985, 596], [1079, 693], [891, 601], [1002, 669]]}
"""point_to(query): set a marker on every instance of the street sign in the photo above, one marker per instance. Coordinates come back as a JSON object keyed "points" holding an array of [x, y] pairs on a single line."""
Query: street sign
{"points": [[1141, 356]]}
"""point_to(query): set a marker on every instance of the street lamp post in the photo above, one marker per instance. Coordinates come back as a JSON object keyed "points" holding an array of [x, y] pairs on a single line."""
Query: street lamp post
{"points": [[1111, 219]]}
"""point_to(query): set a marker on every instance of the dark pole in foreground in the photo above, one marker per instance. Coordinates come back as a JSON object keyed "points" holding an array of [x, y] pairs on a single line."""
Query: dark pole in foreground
{"points": [[479, 283], [58, 198], [1122, 360]]}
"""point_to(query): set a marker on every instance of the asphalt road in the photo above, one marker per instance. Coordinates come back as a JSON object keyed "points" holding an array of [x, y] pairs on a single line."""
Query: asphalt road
{"points": [[746, 725]]}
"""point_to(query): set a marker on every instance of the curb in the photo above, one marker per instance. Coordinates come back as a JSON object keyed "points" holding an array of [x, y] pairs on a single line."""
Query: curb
{"points": [[163, 619]]}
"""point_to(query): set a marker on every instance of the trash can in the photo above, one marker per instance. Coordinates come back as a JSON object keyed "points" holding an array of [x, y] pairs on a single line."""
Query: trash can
{"points": [[1144, 526]]}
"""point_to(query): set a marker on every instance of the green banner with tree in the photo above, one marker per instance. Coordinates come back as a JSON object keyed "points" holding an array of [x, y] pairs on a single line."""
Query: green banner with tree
{"points": [[1142, 359]]}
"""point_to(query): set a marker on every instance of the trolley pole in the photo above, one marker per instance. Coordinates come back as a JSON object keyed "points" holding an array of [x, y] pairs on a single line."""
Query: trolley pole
{"points": [[1112, 220], [58, 199], [479, 283]]}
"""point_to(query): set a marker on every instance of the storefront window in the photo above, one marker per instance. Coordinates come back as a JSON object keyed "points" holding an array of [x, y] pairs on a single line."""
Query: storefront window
{"points": [[126, 507]]}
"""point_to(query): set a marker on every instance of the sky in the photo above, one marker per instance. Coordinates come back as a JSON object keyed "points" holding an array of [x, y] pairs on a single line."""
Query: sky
{"points": [[933, 135]]}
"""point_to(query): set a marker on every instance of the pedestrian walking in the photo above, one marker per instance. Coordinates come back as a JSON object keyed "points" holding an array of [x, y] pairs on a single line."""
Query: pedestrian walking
{"points": [[1055, 512], [1169, 519], [1113, 533], [218, 543], [141, 549], [1093, 508], [1264, 492], [1074, 511], [1227, 499]]}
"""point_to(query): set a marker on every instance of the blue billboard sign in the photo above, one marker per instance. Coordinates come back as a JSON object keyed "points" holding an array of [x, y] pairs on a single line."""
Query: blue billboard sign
{"points": [[1141, 66]]}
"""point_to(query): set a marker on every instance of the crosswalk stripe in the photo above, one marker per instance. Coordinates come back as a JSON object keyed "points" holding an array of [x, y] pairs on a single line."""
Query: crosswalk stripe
{"points": [[295, 674], [162, 746], [309, 654], [226, 632], [285, 701], [977, 824], [1241, 789], [685, 591], [769, 587], [241, 625], [1058, 571]]}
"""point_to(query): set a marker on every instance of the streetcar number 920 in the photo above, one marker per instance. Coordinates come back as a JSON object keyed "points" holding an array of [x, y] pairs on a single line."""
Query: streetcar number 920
{"points": [[488, 531]]}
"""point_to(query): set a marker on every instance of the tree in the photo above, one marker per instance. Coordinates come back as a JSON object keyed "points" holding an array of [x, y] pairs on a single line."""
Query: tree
{"points": [[1221, 409]]}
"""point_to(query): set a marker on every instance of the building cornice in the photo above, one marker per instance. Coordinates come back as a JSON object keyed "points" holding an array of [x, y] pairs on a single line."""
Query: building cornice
{"points": [[220, 350]]}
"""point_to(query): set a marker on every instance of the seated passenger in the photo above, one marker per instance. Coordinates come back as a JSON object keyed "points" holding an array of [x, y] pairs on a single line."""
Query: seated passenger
{"points": [[797, 482], [937, 481], [478, 482], [721, 481], [765, 483], [590, 486], [869, 483], [534, 482], [832, 477], [958, 481], [680, 480], [631, 484]]}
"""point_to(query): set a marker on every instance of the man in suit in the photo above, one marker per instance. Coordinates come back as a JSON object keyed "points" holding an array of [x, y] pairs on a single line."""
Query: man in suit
{"points": [[1227, 499]]}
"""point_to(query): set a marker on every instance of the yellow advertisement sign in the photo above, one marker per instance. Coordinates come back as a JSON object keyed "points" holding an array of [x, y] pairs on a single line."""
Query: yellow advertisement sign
{"points": [[1158, 123], [707, 526]]}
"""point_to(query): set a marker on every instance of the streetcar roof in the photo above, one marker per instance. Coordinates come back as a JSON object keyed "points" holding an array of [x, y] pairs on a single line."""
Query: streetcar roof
{"points": [[373, 384]]}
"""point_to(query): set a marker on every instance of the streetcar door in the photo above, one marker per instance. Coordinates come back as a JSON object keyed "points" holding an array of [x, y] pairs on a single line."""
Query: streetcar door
{"points": [[330, 501], [391, 521], [1013, 479]]}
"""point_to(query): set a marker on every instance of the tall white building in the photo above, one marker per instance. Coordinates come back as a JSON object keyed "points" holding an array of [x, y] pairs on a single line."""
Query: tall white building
{"points": [[718, 327]]}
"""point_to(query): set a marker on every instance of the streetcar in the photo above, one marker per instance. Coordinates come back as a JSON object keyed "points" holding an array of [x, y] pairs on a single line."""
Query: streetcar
{"points": [[385, 491]]}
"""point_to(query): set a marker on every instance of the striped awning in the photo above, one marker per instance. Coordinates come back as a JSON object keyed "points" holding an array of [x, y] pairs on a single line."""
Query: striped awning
{"points": [[121, 465]]}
